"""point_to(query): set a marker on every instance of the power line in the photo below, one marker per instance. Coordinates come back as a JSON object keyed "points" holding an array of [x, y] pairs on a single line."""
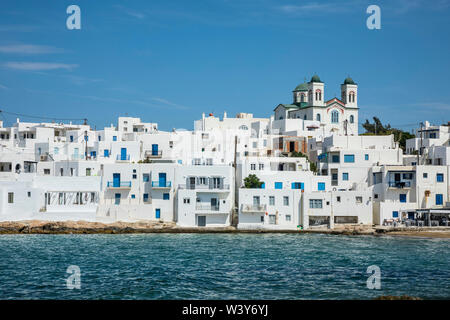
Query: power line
{"points": [[40, 117]]}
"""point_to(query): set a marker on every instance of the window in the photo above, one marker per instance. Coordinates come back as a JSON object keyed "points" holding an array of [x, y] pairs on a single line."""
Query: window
{"points": [[46, 171], [99, 138], [394, 214], [297, 185], [338, 199], [321, 186], [117, 199], [366, 157], [263, 185], [133, 196], [56, 150], [88, 172], [10, 197], [145, 197], [261, 166], [262, 218], [288, 217], [256, 201], [335, 116], [439, 199], [285, 201], [29, 194], [335, 158], [359, 199], [114, 138], [318, 117], [166, 196], [271, 200], [440, 177], [71, 138], [243, 127], [253, 166], [315, 203], [145, 177], [187, 200], [278, 185], [403, 197], [255, 144], [345, 176], [334, 176], [352, 119], [134, 176], [349, 158], [375, 195], [425, 175]]}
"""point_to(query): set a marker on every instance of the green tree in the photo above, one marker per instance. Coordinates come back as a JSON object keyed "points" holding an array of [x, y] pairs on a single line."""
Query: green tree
{"points": [[252, 182], [377, 128]]}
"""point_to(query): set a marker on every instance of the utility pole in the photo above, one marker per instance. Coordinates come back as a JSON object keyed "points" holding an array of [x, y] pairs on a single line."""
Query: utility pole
{"points": [[421, 141], [234, 215]]}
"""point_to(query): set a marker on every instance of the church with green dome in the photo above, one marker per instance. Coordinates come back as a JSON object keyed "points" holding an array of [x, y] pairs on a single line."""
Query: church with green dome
{"points": [[333, 116]]}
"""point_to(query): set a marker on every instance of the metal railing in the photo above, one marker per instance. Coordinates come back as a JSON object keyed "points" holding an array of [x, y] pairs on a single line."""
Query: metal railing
{"points": [[121, 184], [207, 207], [153, 154], [400, 184], [158, 184], [120, 158], [254, 207], [204, 186]]}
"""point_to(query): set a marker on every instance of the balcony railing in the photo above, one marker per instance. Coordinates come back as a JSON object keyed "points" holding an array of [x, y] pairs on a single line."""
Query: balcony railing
{"points": [[119, 157], [153, 154], [204, 186], [159, 184], [400, 184], [207, 207], [121, 184], [254, 207]]}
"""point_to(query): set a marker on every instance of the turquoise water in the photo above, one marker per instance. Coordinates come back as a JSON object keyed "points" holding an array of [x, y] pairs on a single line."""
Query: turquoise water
{"points": [[221, 266]]}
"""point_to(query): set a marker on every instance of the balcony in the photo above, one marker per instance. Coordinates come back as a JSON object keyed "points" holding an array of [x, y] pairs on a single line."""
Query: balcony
{"points": [[205, 187], [123, 157], [399, 184], [161, 184], [207, 207], [118, 185], [153, 154], [254, 208]]}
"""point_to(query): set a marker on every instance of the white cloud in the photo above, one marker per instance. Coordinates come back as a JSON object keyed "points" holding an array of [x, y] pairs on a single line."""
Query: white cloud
{"points": [[166, 102], [28, 49], [38, 66]]}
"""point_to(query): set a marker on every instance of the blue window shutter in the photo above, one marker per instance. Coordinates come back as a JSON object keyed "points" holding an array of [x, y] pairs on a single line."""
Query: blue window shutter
{"points": [[403, 198], [440, 177], [166, 196], [278, 185], [321, 186], [349, 158], [293, 186], [394, 214], [302, 186], [263, 185]]}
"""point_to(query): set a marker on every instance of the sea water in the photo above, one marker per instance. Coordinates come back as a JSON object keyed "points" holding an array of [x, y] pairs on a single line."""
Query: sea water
{"points": [[222, 266]]}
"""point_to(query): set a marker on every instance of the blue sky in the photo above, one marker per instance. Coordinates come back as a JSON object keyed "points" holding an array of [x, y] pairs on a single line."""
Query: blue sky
{"points": [[169, 61]]}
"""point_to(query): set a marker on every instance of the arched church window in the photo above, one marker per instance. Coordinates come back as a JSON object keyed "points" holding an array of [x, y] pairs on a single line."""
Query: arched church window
{"points": [[318, 117], [334, 116], [352, 119], [302, 97]]}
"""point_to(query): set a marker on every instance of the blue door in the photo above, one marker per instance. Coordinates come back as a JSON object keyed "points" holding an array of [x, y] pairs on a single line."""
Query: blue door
{"points": [[154, 149], [158, 213], [162, 179], [123, 154], [106, 153], [116, 180], [117, 198]]}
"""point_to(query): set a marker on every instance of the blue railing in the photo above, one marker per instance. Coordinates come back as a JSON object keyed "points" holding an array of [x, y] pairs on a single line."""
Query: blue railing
{"points": [[158, 184], [111, 184], [399, 184]]}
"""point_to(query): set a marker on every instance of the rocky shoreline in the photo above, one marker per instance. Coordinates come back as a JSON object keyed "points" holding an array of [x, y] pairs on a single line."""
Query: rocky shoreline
{"points": [[83, 227]]}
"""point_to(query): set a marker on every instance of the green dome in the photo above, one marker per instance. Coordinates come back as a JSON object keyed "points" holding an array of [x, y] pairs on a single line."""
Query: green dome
{"points": [[349, 80], [315, 78], [301, 87]]}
